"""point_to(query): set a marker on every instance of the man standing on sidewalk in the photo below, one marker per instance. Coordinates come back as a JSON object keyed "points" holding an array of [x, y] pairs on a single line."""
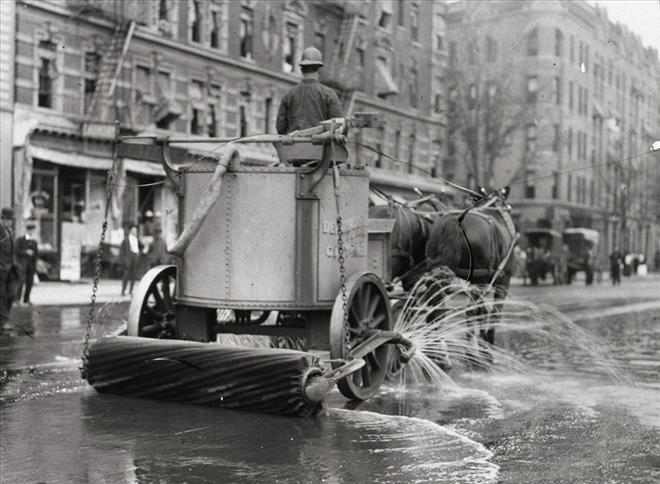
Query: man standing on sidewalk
{"points": [[7, 269], [27, 252]]}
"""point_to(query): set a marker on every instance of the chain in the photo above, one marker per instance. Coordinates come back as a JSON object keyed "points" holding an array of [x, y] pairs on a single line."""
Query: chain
{"points": [[340, 256], [98, 264]]}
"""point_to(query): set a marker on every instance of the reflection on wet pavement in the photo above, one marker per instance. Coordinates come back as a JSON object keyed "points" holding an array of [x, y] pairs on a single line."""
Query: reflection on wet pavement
{"points": [[564, 420]]}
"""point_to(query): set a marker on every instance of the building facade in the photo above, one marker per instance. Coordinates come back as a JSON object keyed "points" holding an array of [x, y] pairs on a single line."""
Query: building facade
{"points": [[215, 68], [584, 109]]}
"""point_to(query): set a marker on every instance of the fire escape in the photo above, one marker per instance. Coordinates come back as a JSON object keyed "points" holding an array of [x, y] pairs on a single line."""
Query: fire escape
{"points": [[338, 72], [103, 108]]}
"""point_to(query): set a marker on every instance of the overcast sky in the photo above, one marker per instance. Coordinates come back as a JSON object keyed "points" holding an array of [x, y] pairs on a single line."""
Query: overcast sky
{"points": [[641, 16]]}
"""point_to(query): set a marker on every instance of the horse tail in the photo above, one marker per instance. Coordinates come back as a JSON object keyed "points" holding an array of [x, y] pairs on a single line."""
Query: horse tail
{"points": [[446, 244]]}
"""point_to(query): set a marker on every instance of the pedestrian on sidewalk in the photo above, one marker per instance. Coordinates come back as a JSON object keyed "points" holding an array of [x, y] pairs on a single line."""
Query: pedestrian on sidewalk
{"points": [[8, 271], [27, 252], [615, 267], [129, 253], [157, 253]]}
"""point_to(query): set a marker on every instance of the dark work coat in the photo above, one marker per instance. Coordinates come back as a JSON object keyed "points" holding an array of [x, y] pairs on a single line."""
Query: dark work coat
{"points": [[23, 258], [306, 105]]}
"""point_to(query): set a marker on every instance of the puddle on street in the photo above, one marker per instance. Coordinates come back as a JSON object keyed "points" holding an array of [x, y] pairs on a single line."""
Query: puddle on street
{"points": [[558, 422]]}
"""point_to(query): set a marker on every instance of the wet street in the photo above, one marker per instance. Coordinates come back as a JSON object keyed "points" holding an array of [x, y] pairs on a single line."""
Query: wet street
{"points": [[586, 414]]}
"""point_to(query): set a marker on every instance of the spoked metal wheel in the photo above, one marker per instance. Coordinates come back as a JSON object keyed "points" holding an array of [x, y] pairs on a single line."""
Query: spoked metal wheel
{"points": [[368, 307], [151, 313], [394, 366]]}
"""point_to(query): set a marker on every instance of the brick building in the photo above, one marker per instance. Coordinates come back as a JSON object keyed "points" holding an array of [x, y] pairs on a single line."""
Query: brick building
{"points": [[587, 94], [198, 68]]}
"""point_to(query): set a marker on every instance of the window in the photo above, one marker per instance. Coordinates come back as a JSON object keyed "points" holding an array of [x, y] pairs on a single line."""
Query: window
{"points": [[453, 96], [559, 43], [91, 67], [569, 143], [556, 180], [411, 152], [197, 124], [572, 49], [570, 95], [246, 32], [215, 29], [557, 90], [533, 42], [491, 92], [195, 21], [319, 41], [530, 191], [530, 140], [414, 80], [164, 91], [491, 49], [473, 93], [385, 19], [360, 53], [532, 89], [472, 53], [268, 113], [437, 104], [143, 82], [439, 42], [397, 144], [289, 49], [163, 13], [243, 123], [401, 14], [414, 22], [556, 138], [569, 185], [45, 83], [214, 110], [452, 54], [212, 121]]}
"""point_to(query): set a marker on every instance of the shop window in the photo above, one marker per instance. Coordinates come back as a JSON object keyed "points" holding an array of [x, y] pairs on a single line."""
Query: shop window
{"points": [[44, 207], [246, 32]]}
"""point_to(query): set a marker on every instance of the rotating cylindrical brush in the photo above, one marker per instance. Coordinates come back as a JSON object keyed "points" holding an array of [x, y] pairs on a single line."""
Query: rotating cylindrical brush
{"points": [[255, 379]]}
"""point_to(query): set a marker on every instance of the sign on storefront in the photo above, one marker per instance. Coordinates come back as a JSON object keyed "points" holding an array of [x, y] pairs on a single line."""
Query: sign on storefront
{"points": [[72, 235]]}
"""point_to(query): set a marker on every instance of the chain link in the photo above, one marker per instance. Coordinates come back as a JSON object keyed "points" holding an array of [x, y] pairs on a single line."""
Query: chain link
{"points": [[340, 258], [98, 267]]}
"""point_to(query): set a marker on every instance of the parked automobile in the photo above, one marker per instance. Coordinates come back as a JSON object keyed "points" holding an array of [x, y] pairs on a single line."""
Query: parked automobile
{"points": [[582, 252]]}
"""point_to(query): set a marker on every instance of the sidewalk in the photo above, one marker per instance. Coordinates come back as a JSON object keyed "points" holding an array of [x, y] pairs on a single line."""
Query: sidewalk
{"points": [[53, 293]]}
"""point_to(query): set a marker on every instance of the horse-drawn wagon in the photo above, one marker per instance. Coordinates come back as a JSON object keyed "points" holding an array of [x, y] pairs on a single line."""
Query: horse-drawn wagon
{"points": [[289, 250]]}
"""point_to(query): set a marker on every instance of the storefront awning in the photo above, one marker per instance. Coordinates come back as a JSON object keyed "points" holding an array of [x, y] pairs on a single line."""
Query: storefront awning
{"points": [[72, 159], [144, 167], [385, 85]]}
